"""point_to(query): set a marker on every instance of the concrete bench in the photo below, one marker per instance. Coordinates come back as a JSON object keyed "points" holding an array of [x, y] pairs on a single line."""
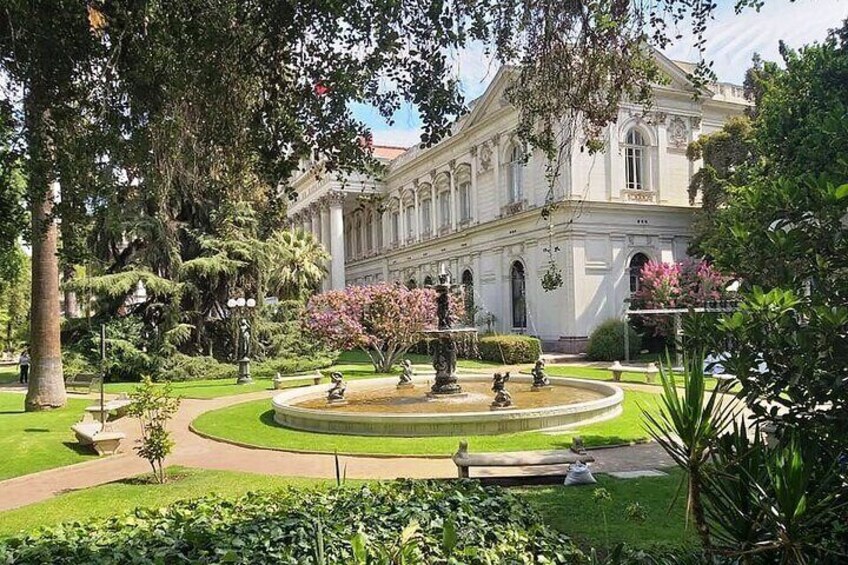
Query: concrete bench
{"points": [[116, 408], [650, 372], [465, 460], [280, 382], [93, 434], [82, 383]]}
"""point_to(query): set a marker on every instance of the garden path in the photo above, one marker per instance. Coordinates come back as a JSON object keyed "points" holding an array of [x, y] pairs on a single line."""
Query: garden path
{"points": [[194, 451]]}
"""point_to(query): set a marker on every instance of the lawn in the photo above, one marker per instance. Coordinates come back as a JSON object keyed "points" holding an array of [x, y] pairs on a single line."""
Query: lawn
{"points": [[253, 423], [122, 496], [34, 441], [571, 510], [9, 374], [574, 511], [597, 374]]}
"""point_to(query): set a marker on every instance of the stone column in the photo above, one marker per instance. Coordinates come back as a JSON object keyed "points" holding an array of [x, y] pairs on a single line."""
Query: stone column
{"points": [[305, 221], [402, 223], [417, 220], [337, 263], [472, 199], [316, 221], [434, 207], [325, 237], [376, 231], [496, 165], [453, 200]]}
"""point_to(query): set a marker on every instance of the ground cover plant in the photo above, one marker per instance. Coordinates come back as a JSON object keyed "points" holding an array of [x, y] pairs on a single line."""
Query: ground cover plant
{"points": [[426, 521], [31, 442], [252, 423]]}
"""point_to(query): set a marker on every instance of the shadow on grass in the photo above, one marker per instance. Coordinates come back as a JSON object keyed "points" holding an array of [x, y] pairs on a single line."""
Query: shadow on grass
{"points": [[37, 430], [79, 449]]}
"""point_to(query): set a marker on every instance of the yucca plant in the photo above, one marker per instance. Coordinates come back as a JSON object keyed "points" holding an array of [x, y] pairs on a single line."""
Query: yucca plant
{"points": [[687, 426]]}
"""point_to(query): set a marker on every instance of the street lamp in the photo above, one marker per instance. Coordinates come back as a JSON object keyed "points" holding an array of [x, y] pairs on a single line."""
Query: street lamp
{"points": [[240, 306]]}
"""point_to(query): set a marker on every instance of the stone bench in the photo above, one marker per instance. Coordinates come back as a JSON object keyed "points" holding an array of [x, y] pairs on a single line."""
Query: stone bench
{"points": [[117, 408], [279, 382], [93, 434], [465, 460], [650, 372], [82, 383]]}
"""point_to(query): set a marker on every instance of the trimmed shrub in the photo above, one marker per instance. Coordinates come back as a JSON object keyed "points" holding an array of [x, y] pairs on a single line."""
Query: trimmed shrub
{"points": [[607, 342], [509, 349], [429, 521], [288, 366], [187, 368]]}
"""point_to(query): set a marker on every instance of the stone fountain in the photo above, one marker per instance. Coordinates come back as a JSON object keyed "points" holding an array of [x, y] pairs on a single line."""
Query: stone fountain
{"points": [[444, 347]]}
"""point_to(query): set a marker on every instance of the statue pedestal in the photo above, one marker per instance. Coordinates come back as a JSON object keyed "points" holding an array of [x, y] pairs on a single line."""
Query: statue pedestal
{"points": [[444, 362], [244, 372], [540, 388], [335, 403], [497, 407], [405, 386]]}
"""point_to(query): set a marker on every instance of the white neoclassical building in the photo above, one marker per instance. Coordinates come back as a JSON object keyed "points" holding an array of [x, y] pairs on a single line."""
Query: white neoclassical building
{"points": [[472, 202]]}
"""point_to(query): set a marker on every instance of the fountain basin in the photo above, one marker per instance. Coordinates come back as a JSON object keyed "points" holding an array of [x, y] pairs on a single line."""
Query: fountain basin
{"points": [[303, 408]]}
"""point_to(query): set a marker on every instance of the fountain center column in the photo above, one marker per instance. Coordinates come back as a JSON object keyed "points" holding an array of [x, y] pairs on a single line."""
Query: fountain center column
{"points": [[444, 349]]}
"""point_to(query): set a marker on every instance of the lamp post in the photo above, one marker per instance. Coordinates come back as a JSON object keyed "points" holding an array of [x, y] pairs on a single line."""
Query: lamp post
{"points": [[241, 307]]}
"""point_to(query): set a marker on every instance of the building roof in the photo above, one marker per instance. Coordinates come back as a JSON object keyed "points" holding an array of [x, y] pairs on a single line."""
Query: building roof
{"points": [[388, 151]]}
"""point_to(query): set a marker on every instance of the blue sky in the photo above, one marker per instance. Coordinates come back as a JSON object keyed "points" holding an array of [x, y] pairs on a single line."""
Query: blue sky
{"points": [[732, 40]]}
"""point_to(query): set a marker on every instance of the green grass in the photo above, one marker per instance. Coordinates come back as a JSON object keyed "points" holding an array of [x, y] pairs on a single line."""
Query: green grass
{"points": [[9, 374], [253, 423], [34, 441], [597, 374], [573, 511], [123, 496]]}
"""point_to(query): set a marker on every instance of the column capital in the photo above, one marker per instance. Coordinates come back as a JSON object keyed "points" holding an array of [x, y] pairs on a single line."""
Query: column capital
{"points": [[473, 150], [334, 197], [452, 165]]}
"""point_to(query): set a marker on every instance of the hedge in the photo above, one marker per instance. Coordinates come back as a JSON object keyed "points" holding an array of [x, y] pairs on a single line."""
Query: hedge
{"points": [[509, 349], [607, 342], [428, 521], [187, 368]]}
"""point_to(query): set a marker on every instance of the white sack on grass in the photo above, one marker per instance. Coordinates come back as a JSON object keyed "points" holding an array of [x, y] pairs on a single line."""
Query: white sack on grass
{"points": [[579, 474]]}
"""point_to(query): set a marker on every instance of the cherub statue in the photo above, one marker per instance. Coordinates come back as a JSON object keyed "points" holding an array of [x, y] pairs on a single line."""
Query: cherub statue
{"points": [[502, 397], [540, 379], [406, 376], [337, 391]]}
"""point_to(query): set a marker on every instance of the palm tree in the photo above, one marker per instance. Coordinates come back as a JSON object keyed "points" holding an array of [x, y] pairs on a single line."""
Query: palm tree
{"points": [[296, 263]]}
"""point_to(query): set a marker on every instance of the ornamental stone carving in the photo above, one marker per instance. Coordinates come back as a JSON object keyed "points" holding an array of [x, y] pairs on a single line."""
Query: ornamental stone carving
{"points": [[677, 134], [485, 157]]}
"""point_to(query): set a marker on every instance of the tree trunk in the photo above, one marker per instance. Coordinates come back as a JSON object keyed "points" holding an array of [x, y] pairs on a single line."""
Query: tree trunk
{"points": [[46, 382], [71, 304], [700, 519]]}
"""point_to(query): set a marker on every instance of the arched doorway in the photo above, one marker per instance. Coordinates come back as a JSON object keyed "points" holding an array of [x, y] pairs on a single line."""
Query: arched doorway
{"points": [[635, 270], [519, 295], [411, 284], [468, 290], [428, 281]]}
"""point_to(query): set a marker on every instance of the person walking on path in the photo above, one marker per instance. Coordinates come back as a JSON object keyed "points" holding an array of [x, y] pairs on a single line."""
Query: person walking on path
{"points": [[23, 361]]}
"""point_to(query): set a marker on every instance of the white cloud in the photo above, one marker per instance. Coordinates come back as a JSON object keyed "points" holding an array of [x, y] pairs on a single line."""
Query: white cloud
{"points": [[399, 137], [733, 39]]}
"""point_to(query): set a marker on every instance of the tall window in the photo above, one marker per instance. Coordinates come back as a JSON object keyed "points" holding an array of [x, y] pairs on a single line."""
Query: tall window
{"points": [[395, 226], [425, 216], [519, 295], [410, 221], [635, 270], [515, 174], [468, 290], [465, 201], [635, 150], [428, 281], [444, 209]]}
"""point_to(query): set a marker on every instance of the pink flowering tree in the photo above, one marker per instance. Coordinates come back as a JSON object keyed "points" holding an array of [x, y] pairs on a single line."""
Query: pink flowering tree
{"points": [[384, 320], [687, 284]]}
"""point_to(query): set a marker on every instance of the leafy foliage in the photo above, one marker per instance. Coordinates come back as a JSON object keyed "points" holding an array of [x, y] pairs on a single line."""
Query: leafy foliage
{"points": [[154, 406], [607, 342], [425, 521], [509, 349]]}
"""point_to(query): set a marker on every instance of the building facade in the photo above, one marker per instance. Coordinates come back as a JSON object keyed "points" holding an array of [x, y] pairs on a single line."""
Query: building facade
{"points": [[473, 203]]}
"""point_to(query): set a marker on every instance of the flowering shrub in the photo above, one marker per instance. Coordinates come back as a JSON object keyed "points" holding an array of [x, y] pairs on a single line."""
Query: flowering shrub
{"points": [[384, 320], [687, 284]]}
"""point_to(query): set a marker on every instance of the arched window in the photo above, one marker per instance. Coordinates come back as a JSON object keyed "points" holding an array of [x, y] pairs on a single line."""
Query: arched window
{"points": [[444, 209], [425, 216], [468, 291], [428, 281], [519, 296], [410, 221], [464, 201], [515, 174], [635, 270], [395, 227], [635, 160]]}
